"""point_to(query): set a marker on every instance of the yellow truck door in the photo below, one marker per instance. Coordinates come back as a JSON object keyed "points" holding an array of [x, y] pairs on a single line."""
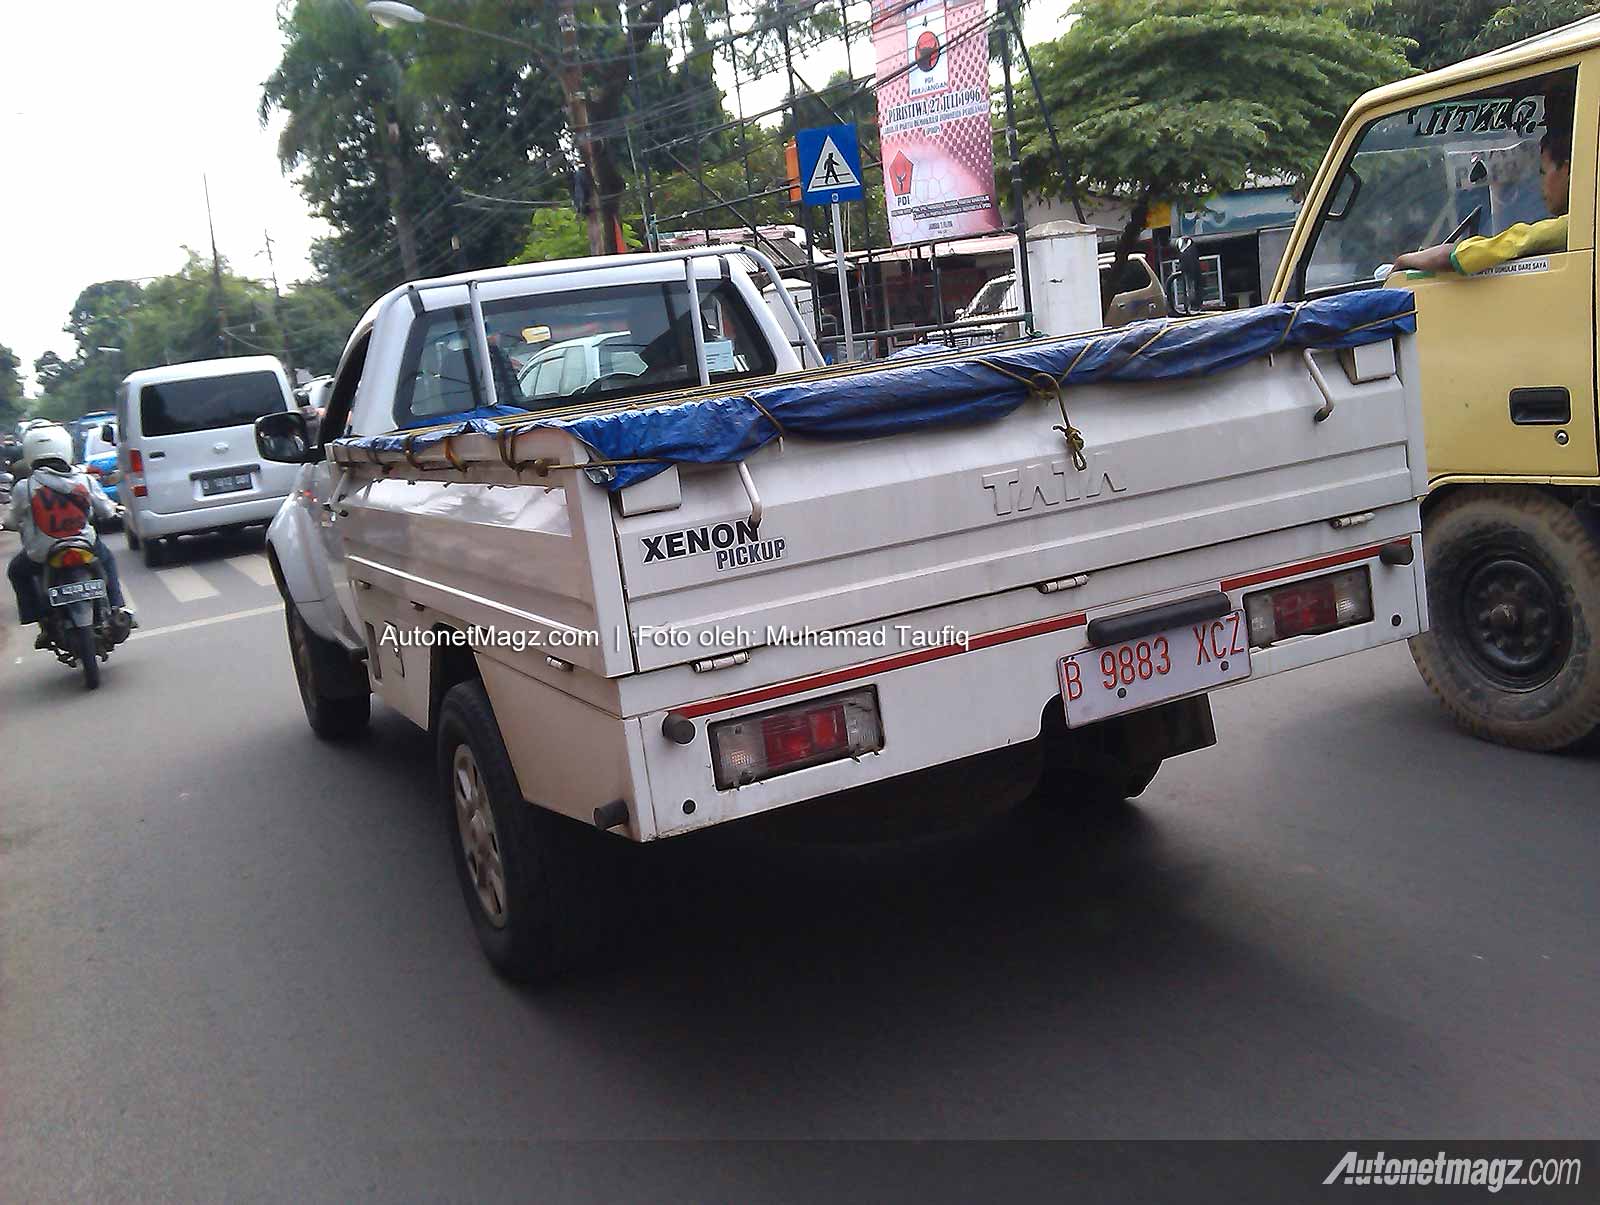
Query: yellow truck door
{"points": [[1508, 354]]}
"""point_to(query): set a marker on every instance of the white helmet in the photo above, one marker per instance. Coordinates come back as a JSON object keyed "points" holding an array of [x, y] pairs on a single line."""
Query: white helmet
{"points": [[46, 441]]}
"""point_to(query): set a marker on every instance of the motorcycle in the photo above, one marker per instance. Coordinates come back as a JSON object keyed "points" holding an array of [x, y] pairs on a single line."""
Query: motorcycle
{"points": [[79, 623]]}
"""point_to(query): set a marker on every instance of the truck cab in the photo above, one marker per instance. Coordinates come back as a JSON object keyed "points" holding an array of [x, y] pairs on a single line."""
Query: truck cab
{"points": [[1507, 359]]}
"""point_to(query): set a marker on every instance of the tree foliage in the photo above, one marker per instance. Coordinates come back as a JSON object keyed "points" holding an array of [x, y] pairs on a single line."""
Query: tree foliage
{"points": [[431, 136], [1181, 99], [1441, 32], [12, 403], [119, 326]]}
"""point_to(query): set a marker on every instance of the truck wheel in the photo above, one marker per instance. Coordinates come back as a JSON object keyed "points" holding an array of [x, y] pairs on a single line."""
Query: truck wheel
{"points": [[131, 535], [155, 553], [1097, 787], [1091, 768], [332, 717], [522, 869], [1514, 602]]}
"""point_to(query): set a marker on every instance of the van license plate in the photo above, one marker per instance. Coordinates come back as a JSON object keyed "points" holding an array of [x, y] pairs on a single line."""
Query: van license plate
{"points": [[1118, 678], [71, 592], [229, 483]]}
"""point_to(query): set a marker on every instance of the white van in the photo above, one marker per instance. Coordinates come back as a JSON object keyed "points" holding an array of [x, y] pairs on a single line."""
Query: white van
{"points": [[188, 453]]}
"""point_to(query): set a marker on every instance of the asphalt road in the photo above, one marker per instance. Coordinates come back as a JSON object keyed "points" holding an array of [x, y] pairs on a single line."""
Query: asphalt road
{"points": [[233, 957]]}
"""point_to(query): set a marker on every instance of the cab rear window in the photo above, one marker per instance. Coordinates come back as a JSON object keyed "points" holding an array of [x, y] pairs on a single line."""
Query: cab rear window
{"points": [[207, 403]]}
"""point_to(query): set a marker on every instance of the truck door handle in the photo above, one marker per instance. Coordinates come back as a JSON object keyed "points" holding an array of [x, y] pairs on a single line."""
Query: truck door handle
{"points": [[1548, 407]]}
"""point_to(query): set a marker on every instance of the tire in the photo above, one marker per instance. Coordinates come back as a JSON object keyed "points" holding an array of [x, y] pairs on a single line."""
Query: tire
{"points": [[1091, 768], [524, 872], [132, 536], [332, 717], [1109, 785], [1514, 603], [155, 553], [83, 648]]}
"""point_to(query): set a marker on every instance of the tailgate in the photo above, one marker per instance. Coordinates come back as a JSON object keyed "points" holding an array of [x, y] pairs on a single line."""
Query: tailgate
{"points": [[861, 530]]}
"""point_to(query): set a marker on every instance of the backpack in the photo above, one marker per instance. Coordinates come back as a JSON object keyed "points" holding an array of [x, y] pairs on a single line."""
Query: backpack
{"points": [[60, 515]]}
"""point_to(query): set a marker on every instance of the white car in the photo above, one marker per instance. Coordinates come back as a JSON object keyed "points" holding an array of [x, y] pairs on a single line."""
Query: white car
{"points": [[187, 449]]}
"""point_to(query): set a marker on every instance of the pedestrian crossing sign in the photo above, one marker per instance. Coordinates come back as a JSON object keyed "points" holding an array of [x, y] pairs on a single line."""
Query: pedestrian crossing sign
{"points": [[830, 165]]}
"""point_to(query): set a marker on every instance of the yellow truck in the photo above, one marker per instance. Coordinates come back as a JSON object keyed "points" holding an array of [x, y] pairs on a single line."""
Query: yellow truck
{"points": [[1507, 355]]}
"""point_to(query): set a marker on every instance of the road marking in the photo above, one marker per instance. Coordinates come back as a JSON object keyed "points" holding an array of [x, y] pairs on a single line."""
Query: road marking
{"points": [[275, 609], [185, 584], [254, 566]]}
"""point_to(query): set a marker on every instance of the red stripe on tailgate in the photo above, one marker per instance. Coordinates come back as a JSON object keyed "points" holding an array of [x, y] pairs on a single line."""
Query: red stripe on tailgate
{"points": [[885, 665], [1322, 562]]}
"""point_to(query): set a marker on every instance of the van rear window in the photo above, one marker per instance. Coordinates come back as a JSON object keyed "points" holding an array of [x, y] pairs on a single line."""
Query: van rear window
{"points": [[206, 403]]}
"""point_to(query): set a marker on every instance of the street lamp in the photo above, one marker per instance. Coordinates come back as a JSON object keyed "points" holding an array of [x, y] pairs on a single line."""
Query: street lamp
{"points": [[392, 15]]}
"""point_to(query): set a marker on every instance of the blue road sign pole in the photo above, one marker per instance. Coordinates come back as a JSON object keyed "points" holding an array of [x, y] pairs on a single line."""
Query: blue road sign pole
{"points": [[844, 289]]}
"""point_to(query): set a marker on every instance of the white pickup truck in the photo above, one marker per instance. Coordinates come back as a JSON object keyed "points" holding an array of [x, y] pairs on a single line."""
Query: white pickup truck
{"points": [[710, 582]]}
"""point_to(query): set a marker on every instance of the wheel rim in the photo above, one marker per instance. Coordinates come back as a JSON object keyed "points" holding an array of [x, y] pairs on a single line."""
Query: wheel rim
{"points": [[1515, 620], [480, 843]]}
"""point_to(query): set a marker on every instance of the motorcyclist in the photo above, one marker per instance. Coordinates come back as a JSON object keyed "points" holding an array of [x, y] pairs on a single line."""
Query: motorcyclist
{"points": [[56, 503]]}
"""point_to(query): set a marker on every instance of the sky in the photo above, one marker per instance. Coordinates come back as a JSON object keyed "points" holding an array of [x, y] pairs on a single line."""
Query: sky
{"points": [[113, 112]]}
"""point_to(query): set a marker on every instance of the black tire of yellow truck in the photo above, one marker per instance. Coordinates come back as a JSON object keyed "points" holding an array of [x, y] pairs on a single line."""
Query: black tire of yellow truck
{"points": [[1514, 612]]}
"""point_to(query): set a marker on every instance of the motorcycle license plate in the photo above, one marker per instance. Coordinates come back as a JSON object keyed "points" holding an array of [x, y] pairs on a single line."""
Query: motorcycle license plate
{"points": [[71, 592], [1117, 678], [229, 483]]}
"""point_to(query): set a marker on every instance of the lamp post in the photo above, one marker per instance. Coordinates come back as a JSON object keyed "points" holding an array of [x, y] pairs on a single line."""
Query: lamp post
{"points": [[391, 14]]}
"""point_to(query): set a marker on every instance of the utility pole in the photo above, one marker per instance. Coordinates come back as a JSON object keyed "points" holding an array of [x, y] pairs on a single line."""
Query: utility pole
{"points": [[578, 107], [1020, 224], [283, 337], [216, 274]]}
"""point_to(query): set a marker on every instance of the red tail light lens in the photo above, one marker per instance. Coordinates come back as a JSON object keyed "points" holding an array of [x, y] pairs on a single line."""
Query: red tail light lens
{"points": [[1306, 608], [757, 747], [135, 461], [68, 557]]}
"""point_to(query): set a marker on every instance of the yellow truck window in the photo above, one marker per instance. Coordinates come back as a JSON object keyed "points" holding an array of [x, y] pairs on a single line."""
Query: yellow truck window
{"points": [[1416, 176]]}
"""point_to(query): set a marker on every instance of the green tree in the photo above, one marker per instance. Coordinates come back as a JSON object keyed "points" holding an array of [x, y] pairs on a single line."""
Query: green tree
{"points": [[315, 323], [1441, 32], [553, 234], [1513, 22], [421, 135], [1181, 99], [12, 403]]}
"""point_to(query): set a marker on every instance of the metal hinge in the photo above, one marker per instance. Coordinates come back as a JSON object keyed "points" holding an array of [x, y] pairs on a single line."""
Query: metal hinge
{"points": [[728, 662], [1063, 583]]}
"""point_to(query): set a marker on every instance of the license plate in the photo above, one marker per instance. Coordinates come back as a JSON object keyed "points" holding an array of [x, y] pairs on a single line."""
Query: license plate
{"points": [[1118, 678], [71, 592], [230, 483]]}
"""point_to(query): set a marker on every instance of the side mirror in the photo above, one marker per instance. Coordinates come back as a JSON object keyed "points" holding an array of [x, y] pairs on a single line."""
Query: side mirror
{"points": [[283, 436], [108, 433], [1384, 271], [11, 453]]}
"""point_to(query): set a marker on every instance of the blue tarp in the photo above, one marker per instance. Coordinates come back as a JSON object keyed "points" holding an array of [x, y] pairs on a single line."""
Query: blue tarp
{"points": [[981, 385]]}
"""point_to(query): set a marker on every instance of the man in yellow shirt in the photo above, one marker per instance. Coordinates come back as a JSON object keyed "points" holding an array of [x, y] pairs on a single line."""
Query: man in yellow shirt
{"points": [[1525, 238]]}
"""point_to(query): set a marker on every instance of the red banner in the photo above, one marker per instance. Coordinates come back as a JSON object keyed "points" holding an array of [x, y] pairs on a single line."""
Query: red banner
{"points": [[933, 118]]}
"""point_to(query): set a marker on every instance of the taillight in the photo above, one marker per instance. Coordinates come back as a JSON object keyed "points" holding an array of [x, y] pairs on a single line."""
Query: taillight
{"points": [[136, 469], [755, 747], [1305, 608], [69, 557]]}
